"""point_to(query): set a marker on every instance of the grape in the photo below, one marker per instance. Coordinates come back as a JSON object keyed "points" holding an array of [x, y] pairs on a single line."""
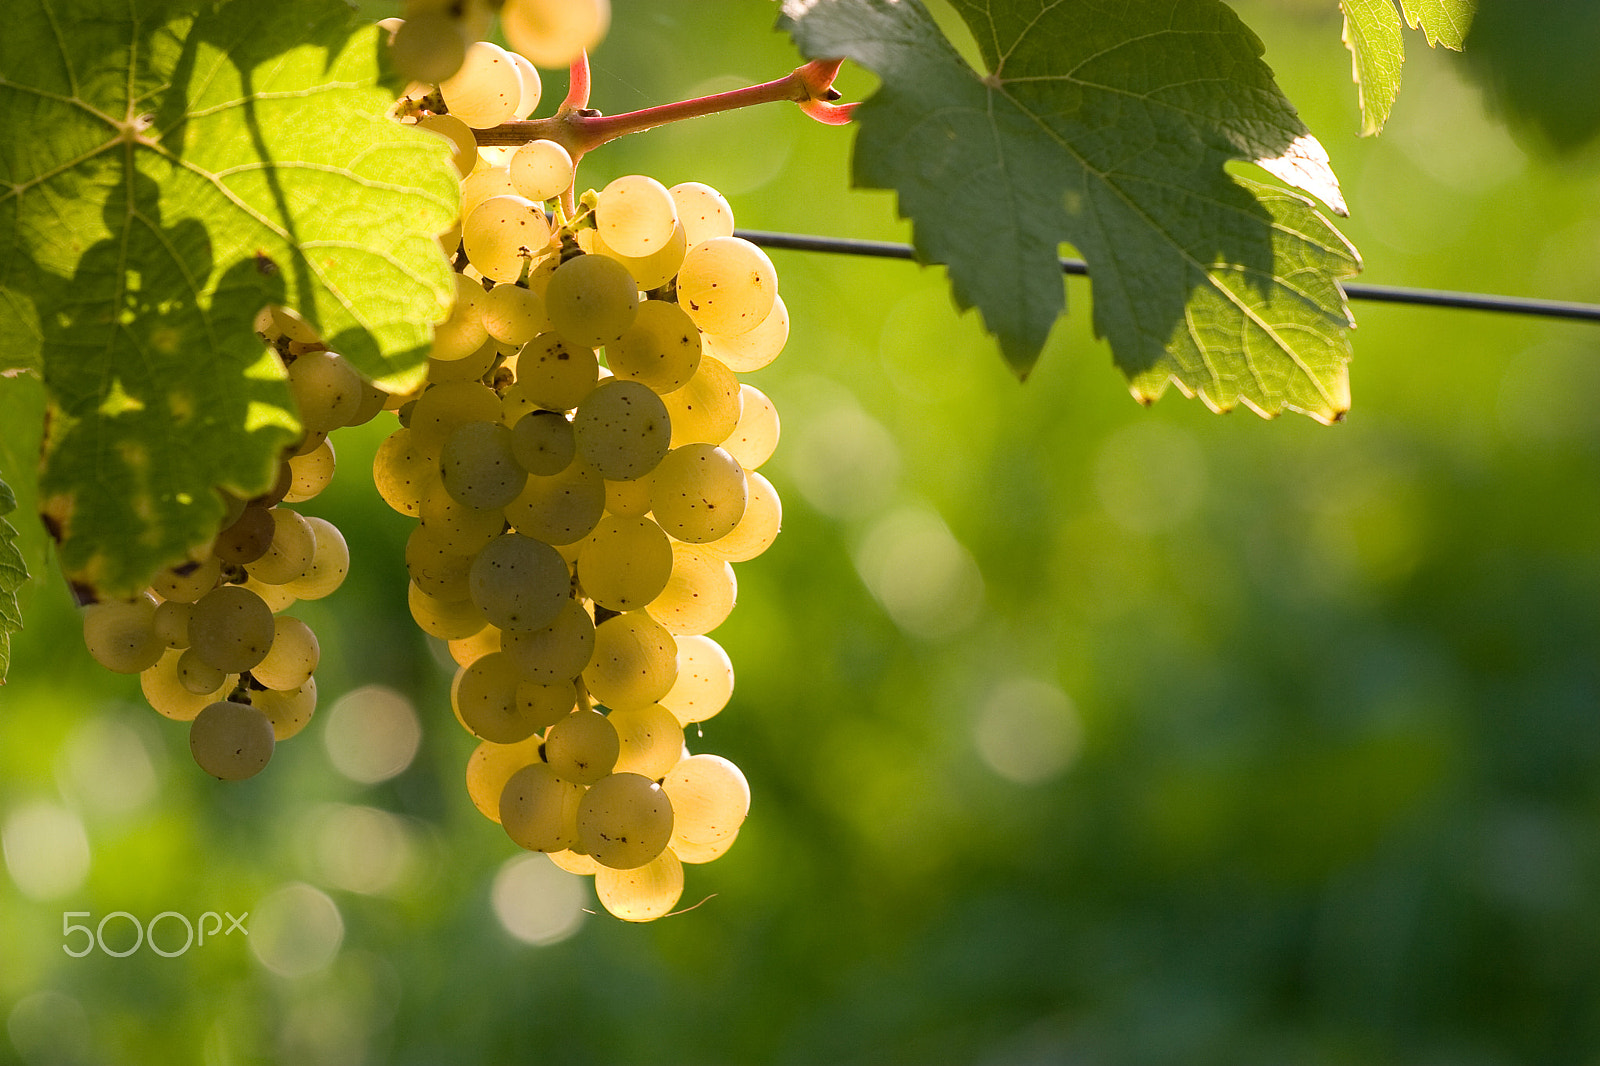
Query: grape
{"points": [[231, 628], [188, 582], [484, 696], [330, 562], [552, 374], [581, 747], [756, 348], [625, 563], [558, 652], [121, 634], [542, 443], [402, 473], [487, 88], [472, 367], [635, 661], [491, 766], [650, 740], [661, 349], [290, 711], [630, 498], [644, 893], [532, 89], [165, 691], [513, 314], [249, 537], [706, 410], [539, 811], [727, 285], [462, 332], [436, 567], [696, 852], [710, 798], [503, 234], [624, 820], [575, 862], [374, 400], [699, 595], [290, 553], [700, 493], [478, 466], [456, 526], [541, 170], [441, 618], [552, 33], [635, 215], [755, 437], [591, 300], [458, 133], [197, 675], [292, 657], [482, 183], [327, 391], [519, 582], [444, 407], [311, 472], [274, 596], [544, 705], [468, 650], [428, 46], [172, 622], [704, 681], [763, 516], [231, 741], [649, 271], [703, 212], [560, 509], [621, 429]]}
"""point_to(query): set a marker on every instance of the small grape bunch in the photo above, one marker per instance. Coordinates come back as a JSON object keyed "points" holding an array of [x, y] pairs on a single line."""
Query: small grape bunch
{"points": [[208, 637]]}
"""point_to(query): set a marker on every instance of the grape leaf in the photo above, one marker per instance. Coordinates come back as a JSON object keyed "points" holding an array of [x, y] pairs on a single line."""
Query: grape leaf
{"points": [[1537, 65], [1377, 50], [13, 575], [1108, 125], [166, 169]]}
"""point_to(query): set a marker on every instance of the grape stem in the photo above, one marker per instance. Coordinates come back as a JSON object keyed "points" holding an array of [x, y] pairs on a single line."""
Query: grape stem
{"points": [[579, 128]]}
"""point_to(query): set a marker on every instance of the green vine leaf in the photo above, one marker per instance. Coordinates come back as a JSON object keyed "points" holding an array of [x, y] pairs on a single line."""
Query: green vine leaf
{"points": [[1109, 126], [166, 169], [1377, 50], [13, 575]]}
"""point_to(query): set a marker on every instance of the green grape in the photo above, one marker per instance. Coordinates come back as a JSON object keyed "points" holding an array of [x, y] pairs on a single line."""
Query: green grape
{"points": [[248, 538], [625, 563], [575, 862], [704, 682], [311, 473], [532, 88], [700, 493], [703, 212], [661, 349], [374, 401], [330, 562], [231, 628], [441, 618], [428, 46], [710, 798], [231, 741], [273, 596], [755, 437], [553, 33], [442, 408], [706, 410], [562, 508], [486, 89], [649, 271], [327, 391], [165, 692], [696, 852], [188, 582], [489, 768], [556, 653], [484, 696], [544, 705], [542, 443], [172, 622], [727, 285], [290, 711], [519, 582], [591, 300], [541, 170], [402, 472], [482, 183], [504, 234], [472, 367], [629, 498], [468, 650], [462, 332], [635, 661], [624, 820], [120, 634], [538, 810], [581, 747], [635, 215], [755, 348], [292, 657], [643, 893], [650, 740], [459, 527], [553, 374], [621, 429], [458, 133], [290, 553], [763, 516], [478, 466], [197, 675], [513, 314], [436, 567], [699, 595]]}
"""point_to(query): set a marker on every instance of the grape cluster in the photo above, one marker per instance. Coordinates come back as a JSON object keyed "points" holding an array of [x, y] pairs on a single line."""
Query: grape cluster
{"points": [[208, 638], [437, 41], [582, 464]]}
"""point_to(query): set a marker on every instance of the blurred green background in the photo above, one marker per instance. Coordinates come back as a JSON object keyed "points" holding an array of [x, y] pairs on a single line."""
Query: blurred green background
{"points": [[1078, 732]]}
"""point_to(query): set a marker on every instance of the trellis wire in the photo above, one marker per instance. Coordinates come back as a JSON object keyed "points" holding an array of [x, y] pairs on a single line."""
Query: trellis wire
{"points": [[1393, 294]]}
